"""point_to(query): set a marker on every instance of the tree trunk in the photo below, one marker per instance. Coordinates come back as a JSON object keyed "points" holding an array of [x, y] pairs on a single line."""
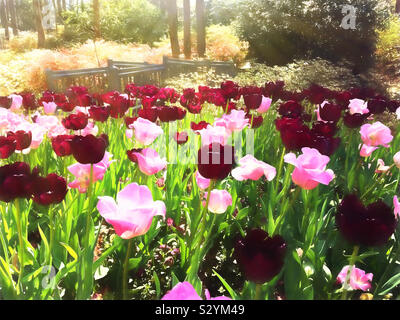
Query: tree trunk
{"points": [[3, 17], [201, 28], [59, 10], [397, 8], [187, 41], [96, 19], [64, 5], [38, 22], [173, 27], [55, 13], [13, 15]]}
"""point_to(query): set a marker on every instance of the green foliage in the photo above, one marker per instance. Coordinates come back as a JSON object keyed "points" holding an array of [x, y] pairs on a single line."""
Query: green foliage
{"points": [[124, 21], [223, 11], [281, 31], [388, 45]]}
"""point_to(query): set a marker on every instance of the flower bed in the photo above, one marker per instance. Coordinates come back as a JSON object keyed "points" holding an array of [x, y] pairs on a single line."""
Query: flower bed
{"points": [[230, 192]]}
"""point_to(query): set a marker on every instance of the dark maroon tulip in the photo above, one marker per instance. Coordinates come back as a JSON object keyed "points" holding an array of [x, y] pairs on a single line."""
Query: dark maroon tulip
{"points": [[133, 90], [181, 137], [215, 161], [29, 101], [105, 138], [100, 114], [66, 106], [129, 121], [194, 108], [16, 181], [49, 190], [149, 90], [7, 146], [377, 106], [326, 145], [166, 114], [230, 90], [291, 109], [327, 129], [343, 98], [369, 226], [330, 112], [256, 122], [259, 256], [22, 138], [252, 101], [296, 137], [274, 90], [47, 96], [180, 113], [88, 149], [167, 94], [354, 120], [62, 145], [150, 114], [79, 96], [5, 102], [199, 126], [132, 156], [393, 105], [288, 123], [317, 94], [77, 121], [119, 104]]}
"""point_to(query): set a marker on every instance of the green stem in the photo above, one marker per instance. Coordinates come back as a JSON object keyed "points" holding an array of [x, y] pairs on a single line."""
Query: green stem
{"points": [[21, 245], [126, 269], [3, 242], [257, 295], [51, 225], [205, 210], [351, 265], [280, 170]]}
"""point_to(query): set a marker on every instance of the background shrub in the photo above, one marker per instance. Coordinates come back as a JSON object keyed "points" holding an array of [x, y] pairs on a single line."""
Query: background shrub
{"points": [[280, 31]]}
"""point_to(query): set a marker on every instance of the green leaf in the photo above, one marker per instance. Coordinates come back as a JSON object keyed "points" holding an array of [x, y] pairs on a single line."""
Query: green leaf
{"points": [[390, 284], [134, 263], [157, 283], [70, 250], [234, 296]]}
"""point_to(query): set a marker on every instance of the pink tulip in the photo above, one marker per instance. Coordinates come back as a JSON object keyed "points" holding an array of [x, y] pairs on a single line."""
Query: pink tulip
{"points": [[91, 128], [215, 134], [359, 280], [49, 107], [202, 182], [358, 106], [234, 121], [146, 131], [396, 159], [253, 169], [82, 173], [129, 133], [381, 167], [132, 214], [265, 105], [310, 168], [366, 151], [376, 134], [396, 204], [16, 102], [398, 113], [219, 201], [149, 161], [185, 291]]}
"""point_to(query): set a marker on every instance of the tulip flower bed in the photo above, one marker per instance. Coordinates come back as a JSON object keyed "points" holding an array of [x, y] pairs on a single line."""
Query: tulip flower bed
{"points": [[220, 193]]}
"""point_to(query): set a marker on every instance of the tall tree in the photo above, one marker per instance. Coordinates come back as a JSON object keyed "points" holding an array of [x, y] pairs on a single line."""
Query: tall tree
{"points": [[64, 5], [187, 41], [96, 19], [173, 27], [397, 9], [39, 25], [201, 28], [13, 16], [3, 18]]}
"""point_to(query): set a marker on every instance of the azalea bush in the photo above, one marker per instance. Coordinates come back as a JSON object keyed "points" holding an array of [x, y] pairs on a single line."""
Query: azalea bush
{"points": [[225, 192]]}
